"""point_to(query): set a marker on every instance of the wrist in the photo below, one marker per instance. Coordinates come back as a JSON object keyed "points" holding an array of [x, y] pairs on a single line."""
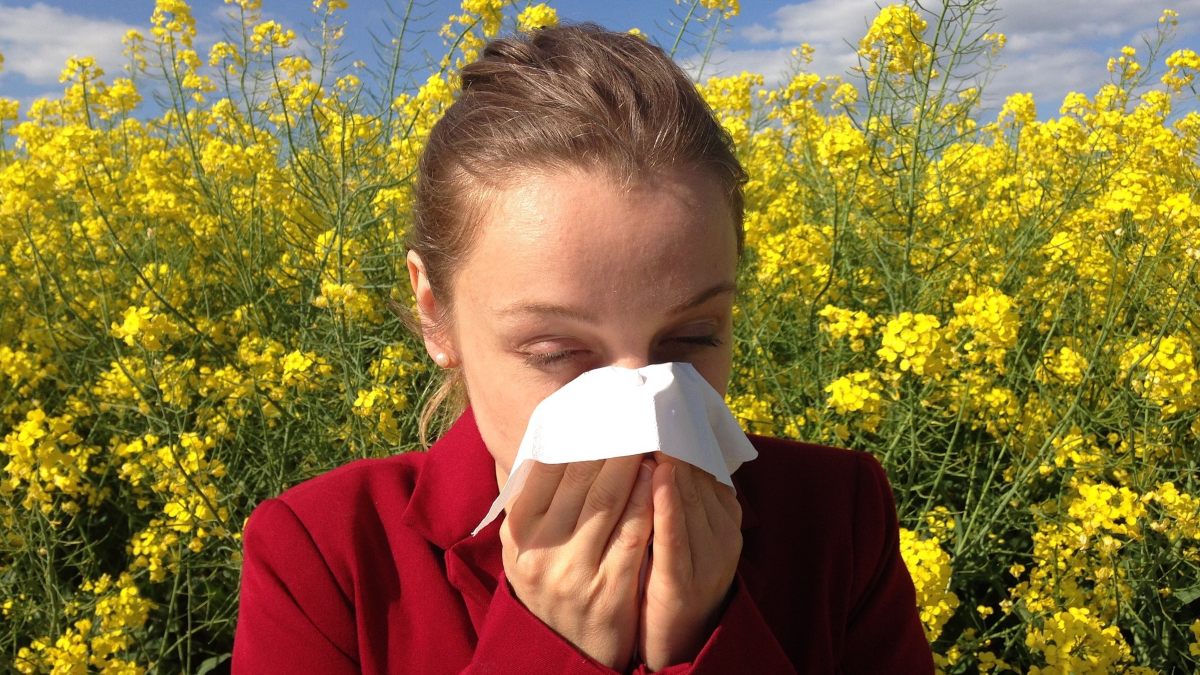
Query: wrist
{"points": [[611, 649], [690, 638]]}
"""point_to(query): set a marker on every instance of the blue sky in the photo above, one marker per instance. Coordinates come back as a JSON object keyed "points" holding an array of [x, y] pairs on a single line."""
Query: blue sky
{"points": [[1054, 46]]}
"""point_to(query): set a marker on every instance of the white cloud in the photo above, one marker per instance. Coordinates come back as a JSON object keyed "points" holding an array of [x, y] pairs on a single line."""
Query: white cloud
{"points": [[1049, 76], [37, 41], [1082, 20], [1054, 46], [829, 26], [821, 21], [772, 64]]}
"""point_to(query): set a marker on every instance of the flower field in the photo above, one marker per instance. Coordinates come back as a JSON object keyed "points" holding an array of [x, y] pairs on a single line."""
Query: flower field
{"points": [[198, 302]]}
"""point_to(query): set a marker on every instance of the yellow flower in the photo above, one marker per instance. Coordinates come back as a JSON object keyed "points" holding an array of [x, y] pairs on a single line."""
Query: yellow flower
{"points": [[857, 394], [1076, 641], [914, 343], [1182, 66], [268, 35], [728, 8], [1164, 372], [896, 40], [843, 323], [990, 320], [1062, 366], [731, 100], [929, 566], [1018, 110], [537, 16], [142, 327], [754, 413]]}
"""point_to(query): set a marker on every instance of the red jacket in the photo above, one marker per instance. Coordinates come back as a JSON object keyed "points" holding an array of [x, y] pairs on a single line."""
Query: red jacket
{"points": [[371, 568]]}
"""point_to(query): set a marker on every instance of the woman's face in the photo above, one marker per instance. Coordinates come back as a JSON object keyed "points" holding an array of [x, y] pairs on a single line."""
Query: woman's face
{"points": [[571, 274]]}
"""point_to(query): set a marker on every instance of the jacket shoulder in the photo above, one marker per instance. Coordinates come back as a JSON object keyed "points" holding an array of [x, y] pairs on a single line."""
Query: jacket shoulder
{"points": [[359, 497], [395, 474], [795, 481], [342, 514], [792, 460]]}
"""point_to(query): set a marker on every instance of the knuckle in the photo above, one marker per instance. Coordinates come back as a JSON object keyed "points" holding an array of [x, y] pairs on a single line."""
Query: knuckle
{"points": [[579, 475], [730, 504], [541, 471], [735, 512], [515, 571], [603, 497], [689, 494], [628, 538], [685, 482], [530, 567]]}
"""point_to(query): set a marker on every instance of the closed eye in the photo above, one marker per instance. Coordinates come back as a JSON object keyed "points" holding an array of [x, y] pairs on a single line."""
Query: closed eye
{"points": [[707, 340], [549, 359], [542, 360]]}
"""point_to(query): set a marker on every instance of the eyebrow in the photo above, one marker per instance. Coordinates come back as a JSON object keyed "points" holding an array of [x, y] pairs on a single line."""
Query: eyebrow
{"points": [[704, 296], [548, 309]]}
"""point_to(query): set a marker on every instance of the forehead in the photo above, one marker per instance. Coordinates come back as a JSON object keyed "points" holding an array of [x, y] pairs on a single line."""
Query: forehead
{"points": [[582, 237]]}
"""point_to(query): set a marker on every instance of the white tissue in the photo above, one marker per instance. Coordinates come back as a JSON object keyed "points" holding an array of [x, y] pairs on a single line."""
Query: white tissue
{"points": [[616, 412]]}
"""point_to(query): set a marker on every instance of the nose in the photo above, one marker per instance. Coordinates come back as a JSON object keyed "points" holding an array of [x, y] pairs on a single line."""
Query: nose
{"points": [[634, 358], [631, 362]]}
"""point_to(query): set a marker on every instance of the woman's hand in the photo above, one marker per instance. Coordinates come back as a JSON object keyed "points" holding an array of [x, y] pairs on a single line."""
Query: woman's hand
{"points": [[574, 541], [694, 555]]}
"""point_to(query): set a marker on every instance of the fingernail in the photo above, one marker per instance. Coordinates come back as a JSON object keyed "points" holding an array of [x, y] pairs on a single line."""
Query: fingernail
{"points": [[645, 472]]}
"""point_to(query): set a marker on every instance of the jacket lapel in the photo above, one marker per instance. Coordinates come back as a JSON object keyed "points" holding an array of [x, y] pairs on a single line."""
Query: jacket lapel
{"points": [[456, 486]]}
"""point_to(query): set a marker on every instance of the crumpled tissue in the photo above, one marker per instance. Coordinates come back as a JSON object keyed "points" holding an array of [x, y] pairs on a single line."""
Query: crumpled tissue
{"points": [[615, 412]]}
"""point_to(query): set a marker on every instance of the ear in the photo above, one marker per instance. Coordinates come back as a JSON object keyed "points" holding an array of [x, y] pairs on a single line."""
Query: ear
{"points": [[428, 308]]}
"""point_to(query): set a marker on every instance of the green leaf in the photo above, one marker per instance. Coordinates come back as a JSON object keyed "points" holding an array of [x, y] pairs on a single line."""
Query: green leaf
{"points": [[1187, 595], [212, 662]]}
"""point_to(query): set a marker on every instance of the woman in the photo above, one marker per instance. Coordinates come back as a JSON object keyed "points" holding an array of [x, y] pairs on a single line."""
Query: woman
{"points": [[577, 207]]}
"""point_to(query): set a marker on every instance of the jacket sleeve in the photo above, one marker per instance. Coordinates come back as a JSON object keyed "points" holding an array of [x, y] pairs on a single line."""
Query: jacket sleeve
{"points": [[742, 642], [514, 640], [292, 614], [883, 631]]}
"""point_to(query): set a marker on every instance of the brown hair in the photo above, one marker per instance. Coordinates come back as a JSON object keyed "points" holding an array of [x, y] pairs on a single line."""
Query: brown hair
{"points": [[554, 99]]}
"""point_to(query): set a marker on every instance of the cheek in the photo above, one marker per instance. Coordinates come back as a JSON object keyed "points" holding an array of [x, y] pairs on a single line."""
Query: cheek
{"points": [[498, 414], [501, 397]]}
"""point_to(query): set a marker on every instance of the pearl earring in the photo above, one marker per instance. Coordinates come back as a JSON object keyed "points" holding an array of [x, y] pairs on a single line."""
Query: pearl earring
{"points": [[442, 359]]}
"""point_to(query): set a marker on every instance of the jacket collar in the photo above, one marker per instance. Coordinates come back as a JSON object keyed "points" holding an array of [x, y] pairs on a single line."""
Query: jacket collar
{"points": [[455, 487]]}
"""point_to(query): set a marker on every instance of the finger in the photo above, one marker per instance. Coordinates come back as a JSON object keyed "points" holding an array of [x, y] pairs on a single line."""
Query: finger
{"points": [[626, 548], [563, 514], [723, 524], [720, 504], [606, 500], [695, 511], [538, 491], [670, 538], [716, 559], [730, 503]]}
